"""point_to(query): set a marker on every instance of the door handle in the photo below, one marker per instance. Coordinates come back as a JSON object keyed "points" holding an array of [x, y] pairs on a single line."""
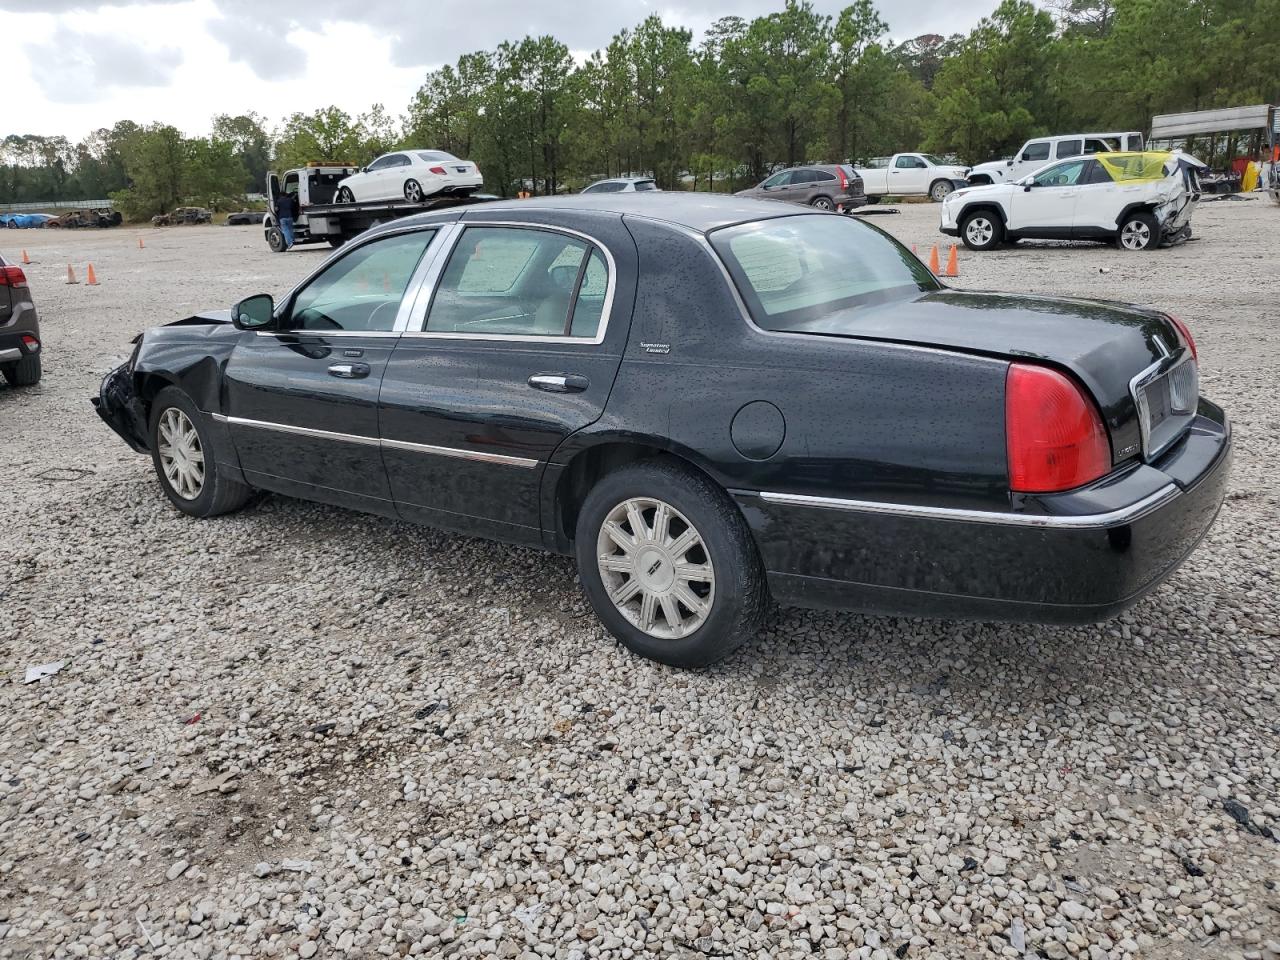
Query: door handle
{"points": [[349, 371], [559, 382]]}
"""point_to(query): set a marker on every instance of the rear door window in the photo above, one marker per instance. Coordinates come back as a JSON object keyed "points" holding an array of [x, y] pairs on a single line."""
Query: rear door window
{"points": [[792, 271], [1069, 148], [519, 282]]}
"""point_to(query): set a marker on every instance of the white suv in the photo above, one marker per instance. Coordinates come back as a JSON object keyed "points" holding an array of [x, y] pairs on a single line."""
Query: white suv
{"points": [[1139, 200], [1034, 154]]}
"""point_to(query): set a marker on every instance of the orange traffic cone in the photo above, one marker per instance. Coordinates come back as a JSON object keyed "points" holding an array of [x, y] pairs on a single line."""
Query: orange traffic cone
{"points": [[71, 275], [91, 278], [933, 261], [141, 245], [25, 259], [953, 266]]}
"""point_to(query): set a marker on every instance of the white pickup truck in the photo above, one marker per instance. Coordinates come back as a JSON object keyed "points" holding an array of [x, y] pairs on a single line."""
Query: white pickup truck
{"points": [[1035, 153], [911, 175]]}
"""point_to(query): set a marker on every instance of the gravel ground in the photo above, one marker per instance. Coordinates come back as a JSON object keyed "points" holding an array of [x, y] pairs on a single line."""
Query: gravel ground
{"points": [[298, 731]]}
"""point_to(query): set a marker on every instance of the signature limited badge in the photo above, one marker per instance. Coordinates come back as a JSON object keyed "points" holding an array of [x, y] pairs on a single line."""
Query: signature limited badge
{"points": [[656, 347]]}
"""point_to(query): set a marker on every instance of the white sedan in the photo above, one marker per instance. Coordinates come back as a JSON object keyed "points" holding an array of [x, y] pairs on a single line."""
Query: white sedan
{"points": [[411, 175]]}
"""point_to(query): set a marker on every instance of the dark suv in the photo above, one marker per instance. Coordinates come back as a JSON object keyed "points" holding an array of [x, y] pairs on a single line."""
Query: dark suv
{"points": [[826, 187], [19, 328]]}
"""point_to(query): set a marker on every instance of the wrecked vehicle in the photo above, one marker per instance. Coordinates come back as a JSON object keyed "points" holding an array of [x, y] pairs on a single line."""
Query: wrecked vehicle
{"points": [[102, 217], [645, 381], [1137, 200], [182, 215]]}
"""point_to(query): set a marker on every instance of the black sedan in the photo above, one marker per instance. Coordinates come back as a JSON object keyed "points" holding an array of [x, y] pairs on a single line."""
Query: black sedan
{"points": [[709, 401]]}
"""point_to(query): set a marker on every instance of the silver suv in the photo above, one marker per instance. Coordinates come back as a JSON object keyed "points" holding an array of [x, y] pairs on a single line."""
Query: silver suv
{"points": [[19, 328], [825, 186]]}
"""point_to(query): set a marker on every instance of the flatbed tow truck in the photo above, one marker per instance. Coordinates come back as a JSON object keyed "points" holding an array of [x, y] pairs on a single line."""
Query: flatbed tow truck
{"points": [[320, 220]]}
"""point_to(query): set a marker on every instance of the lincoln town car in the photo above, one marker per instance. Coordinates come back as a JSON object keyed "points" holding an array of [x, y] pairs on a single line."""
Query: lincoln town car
{"points": [[712, 403]]}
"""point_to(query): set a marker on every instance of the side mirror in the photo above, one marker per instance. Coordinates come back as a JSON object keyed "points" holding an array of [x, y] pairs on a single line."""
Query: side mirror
{"points": [[1026, 187], [254, 313]]}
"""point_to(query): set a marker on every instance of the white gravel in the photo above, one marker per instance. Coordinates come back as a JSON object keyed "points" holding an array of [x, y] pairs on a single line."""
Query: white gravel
{"points": [[298, 731]]}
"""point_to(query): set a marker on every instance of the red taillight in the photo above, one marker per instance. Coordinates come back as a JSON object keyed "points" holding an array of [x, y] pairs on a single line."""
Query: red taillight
{"points": [[1186, 335], [30, 342], [844, 180], [439, 171], [1055, 437], [12, 277]]}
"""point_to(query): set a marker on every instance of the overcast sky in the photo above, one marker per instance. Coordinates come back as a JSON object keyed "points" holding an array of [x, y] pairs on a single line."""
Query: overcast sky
{"points": [[71, 66]]}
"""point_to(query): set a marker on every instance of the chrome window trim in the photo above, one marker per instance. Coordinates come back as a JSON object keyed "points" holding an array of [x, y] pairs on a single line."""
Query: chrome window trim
{"points": [[527, 463], [606, 310], [1089, 521]]}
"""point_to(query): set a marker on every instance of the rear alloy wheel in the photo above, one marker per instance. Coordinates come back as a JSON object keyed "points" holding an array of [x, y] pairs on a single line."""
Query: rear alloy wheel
{"points": [[822, 203], [345, 195], [1140, 231], [940, 190], [413, 191], [669, 565], [981, 231], [184, 459], [22, 373]]}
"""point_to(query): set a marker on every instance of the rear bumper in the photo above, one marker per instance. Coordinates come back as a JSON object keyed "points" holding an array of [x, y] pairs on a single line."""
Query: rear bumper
{"points": [[1078, 557], [121, 409]]}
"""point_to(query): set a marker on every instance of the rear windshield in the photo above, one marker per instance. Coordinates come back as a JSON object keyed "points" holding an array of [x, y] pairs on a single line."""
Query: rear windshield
{"points": [[434, 156], [793, 270]]}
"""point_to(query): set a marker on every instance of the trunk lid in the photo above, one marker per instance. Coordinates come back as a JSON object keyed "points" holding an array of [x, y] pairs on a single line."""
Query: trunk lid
{"points": [[1108, 347]]}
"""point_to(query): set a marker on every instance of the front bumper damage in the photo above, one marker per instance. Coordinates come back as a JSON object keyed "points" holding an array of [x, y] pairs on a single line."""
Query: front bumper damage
{"points": [[120, 407]]}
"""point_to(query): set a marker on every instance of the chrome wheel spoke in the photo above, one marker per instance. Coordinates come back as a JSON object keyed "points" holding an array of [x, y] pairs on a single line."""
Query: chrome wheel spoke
{"points": [[697, 572], [615, 563], [671, 613], [618, 535], [684, 543], [648, 608]]}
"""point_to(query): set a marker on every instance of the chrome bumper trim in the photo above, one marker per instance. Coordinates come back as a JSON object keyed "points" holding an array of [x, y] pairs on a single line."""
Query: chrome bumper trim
{"points": [[500, 458], [13, 353], [1089, 521]]}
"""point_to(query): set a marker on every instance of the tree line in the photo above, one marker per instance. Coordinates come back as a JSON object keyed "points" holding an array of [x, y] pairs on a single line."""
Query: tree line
{"points": [[749, 96]]}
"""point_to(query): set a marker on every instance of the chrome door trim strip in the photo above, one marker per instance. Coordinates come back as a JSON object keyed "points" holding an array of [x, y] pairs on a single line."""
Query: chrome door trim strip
{"points": [[526, 463], [502, 458], [417, 329], [300, 431], [1089, 521]]}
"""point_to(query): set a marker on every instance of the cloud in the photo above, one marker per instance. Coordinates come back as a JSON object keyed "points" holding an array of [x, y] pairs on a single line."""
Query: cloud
{"points": [[75, 67], [66, 6], [268, 53]]}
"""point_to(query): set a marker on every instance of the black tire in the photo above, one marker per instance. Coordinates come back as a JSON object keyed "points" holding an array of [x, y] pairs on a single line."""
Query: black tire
{"points": [[1139, 231], [822, 203], [22, 373], [739, 596], [345, 196], [337, 241], [413, 191], [218, 494], [873, 199], [275, 240], [980, 237], [939, 190]]}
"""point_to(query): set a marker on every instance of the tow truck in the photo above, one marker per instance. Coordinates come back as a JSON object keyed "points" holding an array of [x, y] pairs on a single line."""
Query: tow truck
{"points": [[320, 220]]}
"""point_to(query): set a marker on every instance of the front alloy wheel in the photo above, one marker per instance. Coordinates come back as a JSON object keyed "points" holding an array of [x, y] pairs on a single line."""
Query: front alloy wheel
{"points": [[181, 455], [184, 458], [940, 191], [346, 196], [980, 231], [655, 567]]}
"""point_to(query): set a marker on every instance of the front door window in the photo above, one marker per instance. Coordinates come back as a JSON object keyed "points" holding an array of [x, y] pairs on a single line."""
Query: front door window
{"points": [[362, 290]]}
